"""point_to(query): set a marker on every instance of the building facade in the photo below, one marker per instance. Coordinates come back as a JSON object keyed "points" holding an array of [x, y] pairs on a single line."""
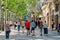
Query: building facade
{"points": [[57, 12], [51, 11]]}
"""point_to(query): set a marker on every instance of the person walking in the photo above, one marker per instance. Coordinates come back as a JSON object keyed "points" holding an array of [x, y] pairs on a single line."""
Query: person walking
{"points": [[27, 24], [33, 27], [36, 23], [18, 25], [45, 26], [40, 26], [7, 29], [52, 24], [15, 25], [23, 25]]}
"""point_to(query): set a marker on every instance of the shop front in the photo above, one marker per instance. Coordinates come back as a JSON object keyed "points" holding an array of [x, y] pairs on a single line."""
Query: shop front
{"points": [[57, 19]]}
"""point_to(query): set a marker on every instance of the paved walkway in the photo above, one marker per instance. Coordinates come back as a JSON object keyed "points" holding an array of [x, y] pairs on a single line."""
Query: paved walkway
{"points": [[15, 35]]}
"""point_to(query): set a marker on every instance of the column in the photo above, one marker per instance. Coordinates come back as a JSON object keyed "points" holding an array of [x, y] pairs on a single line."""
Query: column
{"points": [[49, 16]]}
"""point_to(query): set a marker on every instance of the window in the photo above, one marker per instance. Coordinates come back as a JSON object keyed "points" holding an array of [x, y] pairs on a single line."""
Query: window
{"points": [[56, 8]]}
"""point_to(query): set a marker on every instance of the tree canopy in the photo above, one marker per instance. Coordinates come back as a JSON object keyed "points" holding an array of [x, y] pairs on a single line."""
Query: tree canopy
{"points": [[19, 6]]}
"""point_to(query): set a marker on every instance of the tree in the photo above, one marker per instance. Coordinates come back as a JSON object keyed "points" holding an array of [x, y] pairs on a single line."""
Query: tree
{"points": [[20, 6]]}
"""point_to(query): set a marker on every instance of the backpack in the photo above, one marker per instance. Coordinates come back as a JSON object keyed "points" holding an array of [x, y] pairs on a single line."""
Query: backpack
{"points": [[41, 24]]}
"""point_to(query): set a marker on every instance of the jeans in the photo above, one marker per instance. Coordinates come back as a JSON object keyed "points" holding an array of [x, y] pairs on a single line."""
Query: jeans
{"points": [[18, 27], [45, 30], [7, 34]]}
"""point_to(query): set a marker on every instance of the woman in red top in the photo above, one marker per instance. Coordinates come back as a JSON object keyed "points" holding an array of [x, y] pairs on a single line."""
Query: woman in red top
{"points": [[27, 24]]}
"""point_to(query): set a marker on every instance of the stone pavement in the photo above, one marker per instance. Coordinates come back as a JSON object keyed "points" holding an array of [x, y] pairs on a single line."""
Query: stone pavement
{"points": [[15, 35]]}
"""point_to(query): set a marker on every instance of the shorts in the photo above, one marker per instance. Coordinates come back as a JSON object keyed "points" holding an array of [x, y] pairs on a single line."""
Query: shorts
{"points": [[28, 28], [22, 26], [18, 27], [33, 28]]}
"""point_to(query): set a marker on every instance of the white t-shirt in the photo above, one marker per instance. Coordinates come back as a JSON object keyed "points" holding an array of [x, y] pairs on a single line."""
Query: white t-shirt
{"points": [[18, 23], [45, 25]]}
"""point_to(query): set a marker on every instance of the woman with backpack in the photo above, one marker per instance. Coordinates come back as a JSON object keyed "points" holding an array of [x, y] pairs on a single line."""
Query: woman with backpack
{"points": [[40, 25]]}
